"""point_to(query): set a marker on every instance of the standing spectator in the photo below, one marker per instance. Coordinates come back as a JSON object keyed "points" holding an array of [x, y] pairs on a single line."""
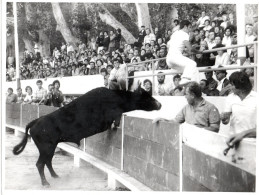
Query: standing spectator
{"points": [[222, 58], [241, 109], [220, 13], [20, 95], [112, 42], [92, 45], [149, 36], [198, 111], [29, 96], [176, 28], [157, 33], [141, 35], [224, 85], [49, 96], [117, 78], [118, 39], [11, 97], [202, 19], [81, 47], [63, 48], [40, 93], [106, 41], [57, 97], [99, 42], [70, 49], [225, 22]]}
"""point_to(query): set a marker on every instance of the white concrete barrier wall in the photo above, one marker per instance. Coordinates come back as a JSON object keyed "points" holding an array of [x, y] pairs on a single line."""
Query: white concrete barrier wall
{"points": [[69, 85]]}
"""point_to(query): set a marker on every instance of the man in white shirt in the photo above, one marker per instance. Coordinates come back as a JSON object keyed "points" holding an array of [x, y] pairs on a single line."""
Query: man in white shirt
{"points": [[149, 37], [241, 109], [175, 58]]}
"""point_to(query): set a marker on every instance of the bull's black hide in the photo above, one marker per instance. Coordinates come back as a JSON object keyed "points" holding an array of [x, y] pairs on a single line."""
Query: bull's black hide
{"points": [[92, 113]]}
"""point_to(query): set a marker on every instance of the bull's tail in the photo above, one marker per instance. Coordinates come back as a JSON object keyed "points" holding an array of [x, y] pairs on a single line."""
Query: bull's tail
{"points": [[20, 147]]}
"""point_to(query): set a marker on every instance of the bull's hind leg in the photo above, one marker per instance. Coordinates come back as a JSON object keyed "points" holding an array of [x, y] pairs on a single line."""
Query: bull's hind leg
{"points": [[49, 163], [40, 165]]}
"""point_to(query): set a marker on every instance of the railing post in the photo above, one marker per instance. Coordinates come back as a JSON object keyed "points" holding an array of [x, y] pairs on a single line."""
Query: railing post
{"points": [[127, 82], [153, 78], [255, 68], [122, 141]]}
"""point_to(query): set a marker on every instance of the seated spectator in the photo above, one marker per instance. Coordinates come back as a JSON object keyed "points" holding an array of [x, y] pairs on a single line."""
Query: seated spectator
{"points": [[117, 78], [227, 39], [178, 91], [224, 85], [11, 97], [241, 109], [92, 70], [218, 31], [28, 97], [211, 43], [204, 87], [207, 25], [148, 86], [249, 38], [222, 58], [75, 70], [57, 97], [202, 20], [198, 112], [212, 84], [162, 89], [225, 22], [203, 59], [8, 78], [20, 95], [40, 93], [176, 81], [161, 64]]}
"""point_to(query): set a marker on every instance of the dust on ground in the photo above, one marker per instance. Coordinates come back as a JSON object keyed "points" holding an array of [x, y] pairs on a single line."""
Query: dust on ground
{"points": [[21, 172]]}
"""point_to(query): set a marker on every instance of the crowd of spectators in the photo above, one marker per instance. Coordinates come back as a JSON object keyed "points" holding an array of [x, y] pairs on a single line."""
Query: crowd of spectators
{"points": [[106, 53]]}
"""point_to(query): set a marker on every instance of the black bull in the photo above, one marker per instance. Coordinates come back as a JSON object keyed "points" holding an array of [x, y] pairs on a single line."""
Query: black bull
{"points": [[92, 113]]}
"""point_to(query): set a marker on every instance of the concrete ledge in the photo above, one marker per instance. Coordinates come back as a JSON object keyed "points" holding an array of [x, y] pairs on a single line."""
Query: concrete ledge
{"points": [[114, 174]]}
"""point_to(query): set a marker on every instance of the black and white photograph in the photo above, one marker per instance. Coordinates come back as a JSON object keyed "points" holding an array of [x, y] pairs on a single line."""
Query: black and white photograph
{"points": [[117, 96]]}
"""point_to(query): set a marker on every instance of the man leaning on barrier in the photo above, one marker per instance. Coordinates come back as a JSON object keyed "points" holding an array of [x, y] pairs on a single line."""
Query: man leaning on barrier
{"points": [[240, 110], [198, 111]]}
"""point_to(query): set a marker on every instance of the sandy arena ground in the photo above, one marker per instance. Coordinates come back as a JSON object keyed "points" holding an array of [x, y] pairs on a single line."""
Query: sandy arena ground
{"points": [[22, 174]]}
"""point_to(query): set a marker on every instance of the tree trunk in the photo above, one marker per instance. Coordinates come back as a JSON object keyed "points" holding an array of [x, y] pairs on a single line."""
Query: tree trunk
{"points": [[44, 43], [143, 15], [109, 19], [62, 25], [130, 11], [28, 45]]}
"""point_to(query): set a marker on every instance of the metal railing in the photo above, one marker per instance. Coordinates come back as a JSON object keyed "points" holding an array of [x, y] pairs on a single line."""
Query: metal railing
{"points": [[201, 69]]}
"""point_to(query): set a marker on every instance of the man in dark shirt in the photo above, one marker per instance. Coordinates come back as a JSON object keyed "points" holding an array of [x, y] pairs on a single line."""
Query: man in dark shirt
{"points": [[57, 97], [142, 33], [212, 84]]}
